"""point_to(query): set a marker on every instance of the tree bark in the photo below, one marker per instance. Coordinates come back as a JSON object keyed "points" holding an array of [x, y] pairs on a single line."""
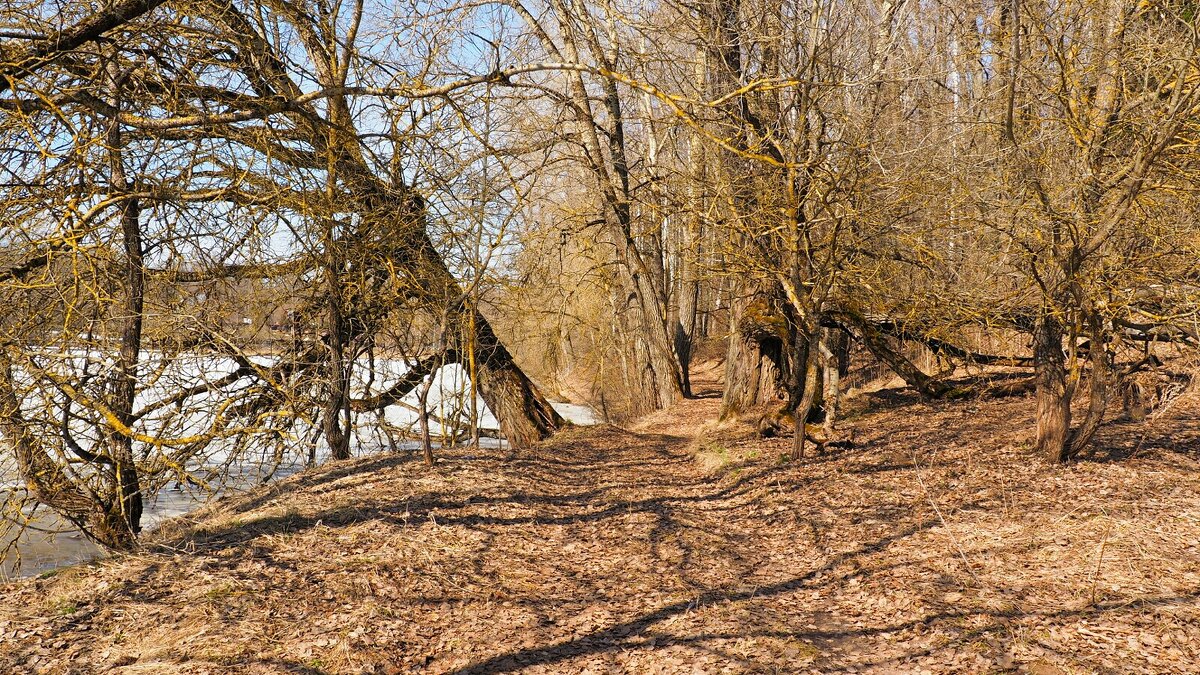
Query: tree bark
{"points": [[1099, 387], [40, 53], [46, 480], [1053, 390], [808, 383], [610, 168], [835, 354], [691, 234], [423, 419], [685, 328], [393, 230], [337, 418], [754, 364], [877, 343], [125, 506], [525, 416]]}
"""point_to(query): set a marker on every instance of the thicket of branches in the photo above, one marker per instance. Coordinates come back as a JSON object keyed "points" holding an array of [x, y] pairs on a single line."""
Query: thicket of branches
{"points": [[613, 185]]}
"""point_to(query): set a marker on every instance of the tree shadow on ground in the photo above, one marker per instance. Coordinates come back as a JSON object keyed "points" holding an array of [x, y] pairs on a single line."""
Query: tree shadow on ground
{"points": [[614, 637], [640, 631], [420, 509], [1174, 439], [597, 481]]}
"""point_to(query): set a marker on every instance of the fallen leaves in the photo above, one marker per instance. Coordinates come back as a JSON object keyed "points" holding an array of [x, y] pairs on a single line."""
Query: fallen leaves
{"points": [[613, 551]]}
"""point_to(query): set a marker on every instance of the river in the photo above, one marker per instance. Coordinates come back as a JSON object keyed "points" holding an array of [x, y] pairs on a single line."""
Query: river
{"points": [[53, 543]]}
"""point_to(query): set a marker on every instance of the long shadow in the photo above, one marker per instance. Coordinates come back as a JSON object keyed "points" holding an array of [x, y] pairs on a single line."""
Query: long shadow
{"points": [[998, 624], [626, 634], [418, 510], [290, 666], [659, 443], [259, 496], [588, 505], [364, 467], [607, 639], [1147, 440], [619, 636]]}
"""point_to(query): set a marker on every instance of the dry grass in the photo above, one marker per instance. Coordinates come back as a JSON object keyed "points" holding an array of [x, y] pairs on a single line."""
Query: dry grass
{"points": [[938, 543]]}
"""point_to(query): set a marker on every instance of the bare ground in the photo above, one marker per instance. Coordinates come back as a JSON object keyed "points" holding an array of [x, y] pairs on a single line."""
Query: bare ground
{"points": [[937, 544]]}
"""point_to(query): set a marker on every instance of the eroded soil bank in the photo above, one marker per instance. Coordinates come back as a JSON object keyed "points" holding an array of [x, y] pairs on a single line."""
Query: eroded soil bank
{"points": [[937, 543]]}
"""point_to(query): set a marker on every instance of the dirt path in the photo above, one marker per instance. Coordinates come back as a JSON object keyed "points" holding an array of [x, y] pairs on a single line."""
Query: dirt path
{"points": [[936, 544]]}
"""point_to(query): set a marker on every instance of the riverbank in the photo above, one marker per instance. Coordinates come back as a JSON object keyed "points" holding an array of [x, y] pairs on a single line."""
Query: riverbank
{"points": [[938, 542]]}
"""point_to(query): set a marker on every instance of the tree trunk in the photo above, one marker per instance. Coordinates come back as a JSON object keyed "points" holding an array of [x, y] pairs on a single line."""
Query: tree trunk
{"points": [[685, 329], [127, 507], [1053, 390], [337, 418], [689, 301], [691, 234], [423, 419], [610, 168], [1100, 385], [637, 372], [647, 276], [835, 364], [649, 313], [808, 384], [754, 365], [877, 343], [46, 479], [752, 374], [125, 503], [525, 416]]}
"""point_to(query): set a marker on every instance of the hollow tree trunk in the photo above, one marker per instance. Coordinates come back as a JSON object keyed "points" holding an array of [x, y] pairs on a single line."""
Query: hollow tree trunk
{"points": [[1052, 390], [754, 361], [752, 374]]}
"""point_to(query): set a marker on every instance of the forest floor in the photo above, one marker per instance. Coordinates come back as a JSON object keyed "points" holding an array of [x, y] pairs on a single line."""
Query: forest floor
{"points": [[938, 543]]}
